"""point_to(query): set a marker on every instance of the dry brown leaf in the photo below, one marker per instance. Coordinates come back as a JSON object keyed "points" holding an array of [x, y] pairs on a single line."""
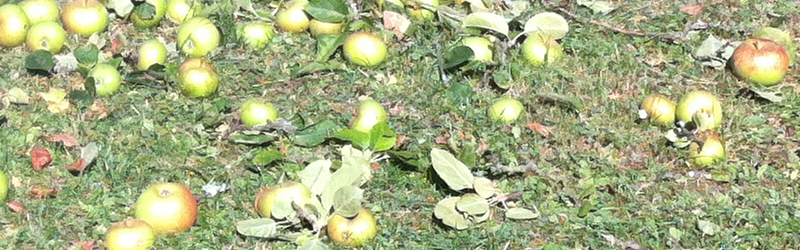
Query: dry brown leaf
{"points": [[395, 22], [539, 128], [65, 138], [85, 245], [692, 9], [77, 167], [96, 111], [40, 158], [17, 207], [42, 193], [442, 139]]}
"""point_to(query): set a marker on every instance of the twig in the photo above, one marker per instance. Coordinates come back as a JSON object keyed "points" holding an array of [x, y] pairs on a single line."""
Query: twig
{"points": [[660, 36], [301, 213]]}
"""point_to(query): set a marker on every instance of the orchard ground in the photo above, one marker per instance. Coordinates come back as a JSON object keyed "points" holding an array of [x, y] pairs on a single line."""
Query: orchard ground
{"points": [[599, 178]]}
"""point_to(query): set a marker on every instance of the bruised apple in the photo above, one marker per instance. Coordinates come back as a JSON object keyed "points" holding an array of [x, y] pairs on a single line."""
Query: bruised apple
{"points": [[699, 104], [355, 231], [47, 35]]}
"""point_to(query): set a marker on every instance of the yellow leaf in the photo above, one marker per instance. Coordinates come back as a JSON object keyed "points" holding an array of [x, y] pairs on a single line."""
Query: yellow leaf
{"points": [[55, 100]]}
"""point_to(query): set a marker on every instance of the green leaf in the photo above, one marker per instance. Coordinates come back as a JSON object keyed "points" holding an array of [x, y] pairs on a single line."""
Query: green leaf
{"points": [[354, 158], [486, 20], [445, 210], [472, 204], [566, 101], [358, 138], [315, 134], [382, 137], [265, 157], [453, 172], [40, 60], [327, 45], [16, 95], [316, 175], [484, 187], [517, 213], [347, 201], [87, 55], [121, 7], [599, 7], [315, 67], [90, 152], [774, 97], [355, 171], [331, 11], [262, 227], [550, 23], [457, 56], [314, 244], [707, 227], [460, 93], [146, 11]]}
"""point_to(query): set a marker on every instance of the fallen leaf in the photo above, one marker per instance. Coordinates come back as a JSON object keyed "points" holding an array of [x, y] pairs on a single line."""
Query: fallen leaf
{"points": [[42, 193], [96, 111], [539, 128], [65, 138], [56, 101], [375, 166], [85, 245], [396, 22], [77, 167], [442, 139], [17, 207], [692, 9], [40, 158]]}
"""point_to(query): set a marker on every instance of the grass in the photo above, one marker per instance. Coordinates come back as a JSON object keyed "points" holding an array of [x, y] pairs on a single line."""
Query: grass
{"points": [[641, 190]]}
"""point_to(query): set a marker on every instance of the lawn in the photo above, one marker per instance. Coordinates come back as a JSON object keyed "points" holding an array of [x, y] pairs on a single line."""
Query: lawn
{"points": [[596, 175]]}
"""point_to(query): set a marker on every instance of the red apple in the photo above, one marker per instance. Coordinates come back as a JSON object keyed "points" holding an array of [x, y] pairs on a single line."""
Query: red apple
{"points": [[41, 10], [355, 231], [130, 234], [169, 208], [14, 25], [760, 61], [84, 17], [365, 49]]}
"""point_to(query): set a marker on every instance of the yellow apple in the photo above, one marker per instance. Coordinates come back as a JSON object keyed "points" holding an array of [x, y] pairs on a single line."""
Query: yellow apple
{"points": [[294, 191], [14, 25], [84, 17], [130, 234], [365, 49], [353, 232], [170, 208], [293, 17]]}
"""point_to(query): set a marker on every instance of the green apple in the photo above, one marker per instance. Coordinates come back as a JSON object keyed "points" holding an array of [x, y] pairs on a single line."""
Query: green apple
{"points": [[140, 21], [365, 49], [780, 36], [256, 35], [198, 36], [699, 101], [194, 63], [106, 79], [318, 28], [355, 231], [4, 184], [198, 82], [540, 48], [659, 108], [180, 10], [151, 52], [130, 234], [481, 48], [254, 112], [370, 113], [506, 110], [418, 12], [41, 10], [760, 61], [47, 35], [293, 17], [711, 151], [289, 191], [170, 208], [14, 25], [84, 17]]}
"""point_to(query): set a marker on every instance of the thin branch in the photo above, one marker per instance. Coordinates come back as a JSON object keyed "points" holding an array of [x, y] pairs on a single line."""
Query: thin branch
{"points": [[660, 36]]}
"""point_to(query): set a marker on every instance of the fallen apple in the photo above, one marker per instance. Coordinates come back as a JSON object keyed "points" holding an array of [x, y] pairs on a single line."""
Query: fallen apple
{"points": [[760, 61], [506, 110], [254, 112], [130, 234], [355, 231], [14, 25], [365, 49], [169, 208], [195, 63], [370, 113], [144, 18], [481, 48], [84, 17], [198, 82], [780, 36], [540, 48], [659, 108], [293, 17], [151, 52], [695, 101], [198, 36], [4, 184], [267, 198], [711, 151], [106, 79], [422, 10], [318, 28], [256, 35], [180, 10], [47, 35], [41, 10]]}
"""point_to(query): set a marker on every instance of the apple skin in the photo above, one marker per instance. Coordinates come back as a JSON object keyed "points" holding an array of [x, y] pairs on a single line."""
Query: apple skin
{"points": [[782, 37], [4, 184], [41, 10], [198, 82], [256, 35], [293, 17], [353, 232], [180, 10], [170, 208], [506, 110], [695, 101], [151, 52], [266, 198], [760, 61], [370, 113], [47, 35], [255, 112], [14, 25], [712, 150], [84, 17], [130, 234], [318, 28], [195, 62], [481, 48], [660, 109], [419, 13], [540, 49], [107, 79], [365, 49], [161, 10], [198, 36]]}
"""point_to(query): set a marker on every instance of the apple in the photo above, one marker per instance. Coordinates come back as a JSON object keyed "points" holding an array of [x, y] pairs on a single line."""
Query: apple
{"points": [[130, 234], [506, 110], [318, 28], [418, 12], [47, 35], [293, 18], [659, 108], [540, 48], [4, 184], [169, 208], [695, 101], [41, 10], [294, 191], [370, 113], [760, 61], [141, 22], [152, 52], [780, 36], [711, 151], [255, 112], [194, 63], [14, 25], [256, 35], [198, 36], [106, 79], [84, 17], [180, 10], [365, 49], [481, 48], [353, 232], [198, 82]]}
